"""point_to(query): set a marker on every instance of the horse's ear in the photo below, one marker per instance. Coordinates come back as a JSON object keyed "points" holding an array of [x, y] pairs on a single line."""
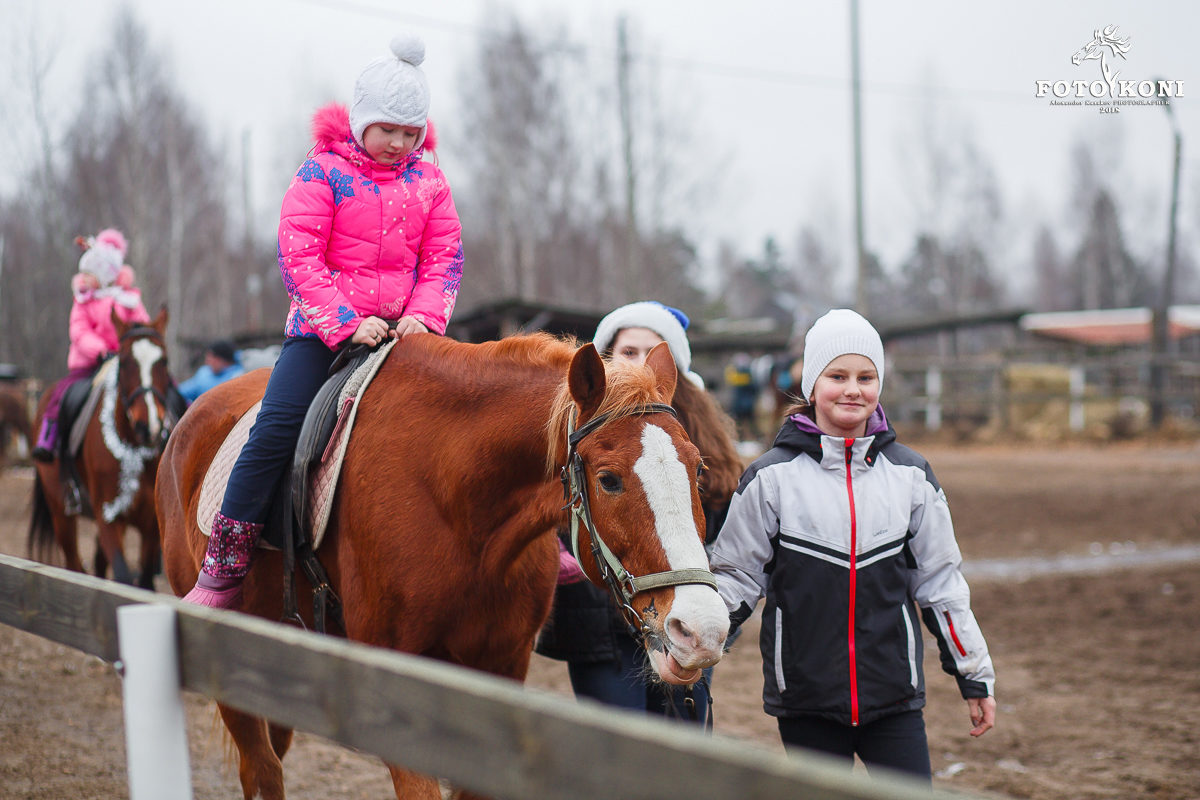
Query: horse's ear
{"points": [[666, 374], [586, 380], [160, 322], [121, 327]]}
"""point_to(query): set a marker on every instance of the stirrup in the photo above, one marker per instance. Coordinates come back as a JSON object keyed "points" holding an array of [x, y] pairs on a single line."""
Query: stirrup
{"points": [[72, 499]]}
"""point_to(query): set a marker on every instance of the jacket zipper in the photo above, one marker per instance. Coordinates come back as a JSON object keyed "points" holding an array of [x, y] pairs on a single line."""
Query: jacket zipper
{"points": [[853, 585]]}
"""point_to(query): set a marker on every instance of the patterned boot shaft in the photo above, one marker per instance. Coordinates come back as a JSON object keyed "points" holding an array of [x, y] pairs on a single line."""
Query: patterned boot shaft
{"points": [[230, 547]]}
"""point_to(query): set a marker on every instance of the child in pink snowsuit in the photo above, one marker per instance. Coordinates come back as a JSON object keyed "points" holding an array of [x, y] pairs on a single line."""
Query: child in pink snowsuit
{"points": [[104, 284], [368, 233]]}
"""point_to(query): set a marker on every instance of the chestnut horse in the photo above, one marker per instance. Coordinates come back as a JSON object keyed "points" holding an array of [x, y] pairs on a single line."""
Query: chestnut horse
{"points": [[117, 462], [441, 541]]}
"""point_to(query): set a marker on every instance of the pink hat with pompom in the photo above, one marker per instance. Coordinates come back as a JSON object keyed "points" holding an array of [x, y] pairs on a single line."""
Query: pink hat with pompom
{"points": [[113, 238]]}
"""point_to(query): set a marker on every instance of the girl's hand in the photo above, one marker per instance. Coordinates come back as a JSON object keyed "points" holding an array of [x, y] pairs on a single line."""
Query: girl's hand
{"points": [[83, 282], [983, 714], [408, 325], [371, 330]]}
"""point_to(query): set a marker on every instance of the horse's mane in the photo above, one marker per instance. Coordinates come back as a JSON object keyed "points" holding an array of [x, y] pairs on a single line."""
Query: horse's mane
{"points": [[627, 388], [527, 349], [712, 431]]}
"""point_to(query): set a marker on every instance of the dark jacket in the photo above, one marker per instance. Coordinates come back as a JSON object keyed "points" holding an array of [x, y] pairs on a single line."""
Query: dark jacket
{"points": [[846, 539]]}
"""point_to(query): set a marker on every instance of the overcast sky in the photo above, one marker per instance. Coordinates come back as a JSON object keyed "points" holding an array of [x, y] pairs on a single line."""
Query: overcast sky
{"points": [[768, 83]]}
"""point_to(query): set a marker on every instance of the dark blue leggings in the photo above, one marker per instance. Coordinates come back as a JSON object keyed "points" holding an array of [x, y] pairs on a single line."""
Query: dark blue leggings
{"points": [[896, 741], [301, 369], [628, 685]]}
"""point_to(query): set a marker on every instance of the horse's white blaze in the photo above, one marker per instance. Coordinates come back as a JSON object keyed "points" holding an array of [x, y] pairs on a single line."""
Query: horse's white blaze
{"points": [[696, 611], [147, 354]]}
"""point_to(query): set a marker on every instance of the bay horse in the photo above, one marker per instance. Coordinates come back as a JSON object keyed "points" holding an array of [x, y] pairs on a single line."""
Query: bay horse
{"points": [[116, 464], [441, 540]]}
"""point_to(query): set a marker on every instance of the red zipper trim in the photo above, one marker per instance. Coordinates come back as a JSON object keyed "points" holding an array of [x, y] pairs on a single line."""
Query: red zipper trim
{"points": [[853, 585], [962, 651]]}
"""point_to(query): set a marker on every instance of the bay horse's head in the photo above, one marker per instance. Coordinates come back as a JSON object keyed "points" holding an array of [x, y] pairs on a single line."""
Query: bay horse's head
{"points": [[637, 525], [143, 380]]}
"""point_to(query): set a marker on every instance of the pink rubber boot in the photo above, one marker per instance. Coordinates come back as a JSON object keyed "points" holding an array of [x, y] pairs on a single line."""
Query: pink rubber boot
{"points": [[226, 562]]}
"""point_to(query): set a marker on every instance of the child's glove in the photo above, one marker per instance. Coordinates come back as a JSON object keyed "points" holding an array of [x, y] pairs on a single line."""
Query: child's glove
{"points": [[125, 277], [569, 570]]}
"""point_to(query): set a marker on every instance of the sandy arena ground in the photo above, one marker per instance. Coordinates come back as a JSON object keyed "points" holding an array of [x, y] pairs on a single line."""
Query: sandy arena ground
{"points": [[1097, 653]]}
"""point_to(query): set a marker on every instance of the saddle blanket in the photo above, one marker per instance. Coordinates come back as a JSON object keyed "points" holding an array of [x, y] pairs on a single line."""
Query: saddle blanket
{"points": [[322, 481]]}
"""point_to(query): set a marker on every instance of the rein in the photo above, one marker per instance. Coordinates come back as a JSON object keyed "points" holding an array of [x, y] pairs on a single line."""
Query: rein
{"points": [[621, 583], [132, 459]]}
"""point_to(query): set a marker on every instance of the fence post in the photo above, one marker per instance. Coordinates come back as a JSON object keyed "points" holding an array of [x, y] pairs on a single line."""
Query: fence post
{"points": [[933, 399], [1078, 384], [155, 724]]}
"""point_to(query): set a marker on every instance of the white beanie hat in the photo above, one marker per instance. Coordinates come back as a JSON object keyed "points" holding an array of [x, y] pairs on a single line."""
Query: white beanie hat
{"points": [[838, 333], [102, 260], [669, 323], [392, 89]]}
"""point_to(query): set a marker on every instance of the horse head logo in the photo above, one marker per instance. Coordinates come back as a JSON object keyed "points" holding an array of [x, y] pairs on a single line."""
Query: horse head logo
{"points": [[1102, 43]]}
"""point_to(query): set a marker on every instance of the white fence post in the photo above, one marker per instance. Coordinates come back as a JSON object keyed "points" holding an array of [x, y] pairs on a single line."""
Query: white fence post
{"points": [[1078, 386], [933, 399], [155, 724]]}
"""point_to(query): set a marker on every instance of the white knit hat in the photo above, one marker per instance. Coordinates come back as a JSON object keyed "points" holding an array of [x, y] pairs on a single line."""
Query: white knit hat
{"points": [[392, 89], [669, 323], [838, 333], [102, 260]]}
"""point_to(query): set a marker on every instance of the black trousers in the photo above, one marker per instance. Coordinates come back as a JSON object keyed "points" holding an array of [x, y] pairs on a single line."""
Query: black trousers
{"points": [[896, 741]]}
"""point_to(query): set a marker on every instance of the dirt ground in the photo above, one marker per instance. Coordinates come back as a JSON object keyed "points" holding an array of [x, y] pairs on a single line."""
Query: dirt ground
{"points": [[1096, 668]]}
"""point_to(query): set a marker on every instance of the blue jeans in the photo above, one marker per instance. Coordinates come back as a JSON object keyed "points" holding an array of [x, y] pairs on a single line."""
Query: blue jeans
{"points": [[625, 685], [896, 741], [297, 376]]}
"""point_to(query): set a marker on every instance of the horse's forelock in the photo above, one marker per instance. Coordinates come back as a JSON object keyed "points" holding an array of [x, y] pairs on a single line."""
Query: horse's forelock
{"points": [[628, 387]]}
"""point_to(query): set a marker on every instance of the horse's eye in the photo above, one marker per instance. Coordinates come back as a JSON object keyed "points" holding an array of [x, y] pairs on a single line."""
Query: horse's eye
{"points": [[700, 470], [609, 482]]}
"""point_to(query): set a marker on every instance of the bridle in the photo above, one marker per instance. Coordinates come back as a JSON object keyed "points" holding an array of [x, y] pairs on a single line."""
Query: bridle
{"points": [[621, 583], [128, 400]]}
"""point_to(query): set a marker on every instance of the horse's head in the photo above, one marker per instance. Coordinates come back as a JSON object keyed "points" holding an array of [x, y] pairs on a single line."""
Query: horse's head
{"points": [[142, 378], [1102, 38], [631, 474]]}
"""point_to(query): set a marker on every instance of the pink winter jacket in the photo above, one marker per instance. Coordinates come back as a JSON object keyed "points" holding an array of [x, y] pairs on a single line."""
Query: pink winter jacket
{"points": [[358, 238], [91, 327]]}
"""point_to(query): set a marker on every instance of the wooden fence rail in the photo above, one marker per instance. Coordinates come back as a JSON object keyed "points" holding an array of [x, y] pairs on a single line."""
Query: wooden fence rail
{"points": [[479, 732]]}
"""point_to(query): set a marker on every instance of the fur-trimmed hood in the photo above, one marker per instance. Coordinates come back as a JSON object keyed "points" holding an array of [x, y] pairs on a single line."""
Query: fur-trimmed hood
{"points": [[331, 132]]}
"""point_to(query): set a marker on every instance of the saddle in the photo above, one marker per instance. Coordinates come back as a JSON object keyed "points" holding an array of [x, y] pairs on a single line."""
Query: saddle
{"points": [[302, 505]]}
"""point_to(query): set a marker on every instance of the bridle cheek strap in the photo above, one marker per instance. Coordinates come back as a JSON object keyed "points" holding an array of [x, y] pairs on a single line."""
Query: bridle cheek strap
{"points": [[621, 583]]}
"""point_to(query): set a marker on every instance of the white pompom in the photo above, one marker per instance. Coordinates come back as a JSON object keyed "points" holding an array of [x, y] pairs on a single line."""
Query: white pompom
{"points": [[410, 48]]}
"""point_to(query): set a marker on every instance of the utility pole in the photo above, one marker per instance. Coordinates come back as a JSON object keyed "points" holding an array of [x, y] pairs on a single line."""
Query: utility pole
{"points": [[860, 293], [626, 114], [1160, 317]]}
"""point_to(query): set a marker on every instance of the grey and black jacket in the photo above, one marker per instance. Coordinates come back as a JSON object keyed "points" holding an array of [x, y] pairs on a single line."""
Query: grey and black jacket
{"points": [[846, 538]]}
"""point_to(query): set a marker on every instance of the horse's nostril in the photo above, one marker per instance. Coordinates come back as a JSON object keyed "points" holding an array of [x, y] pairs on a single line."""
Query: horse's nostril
{"points": [[679, 632]]}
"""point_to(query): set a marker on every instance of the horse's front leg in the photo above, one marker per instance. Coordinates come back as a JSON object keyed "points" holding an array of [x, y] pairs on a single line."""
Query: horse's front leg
{"points": [[111, 539], [414, 786], [150, 550], [259, 770]]}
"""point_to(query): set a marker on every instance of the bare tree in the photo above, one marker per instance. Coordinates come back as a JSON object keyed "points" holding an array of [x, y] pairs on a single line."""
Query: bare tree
{"points": [[141, 162], [958, 215], [132, 158], [1052, 288], [542, 218]]}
